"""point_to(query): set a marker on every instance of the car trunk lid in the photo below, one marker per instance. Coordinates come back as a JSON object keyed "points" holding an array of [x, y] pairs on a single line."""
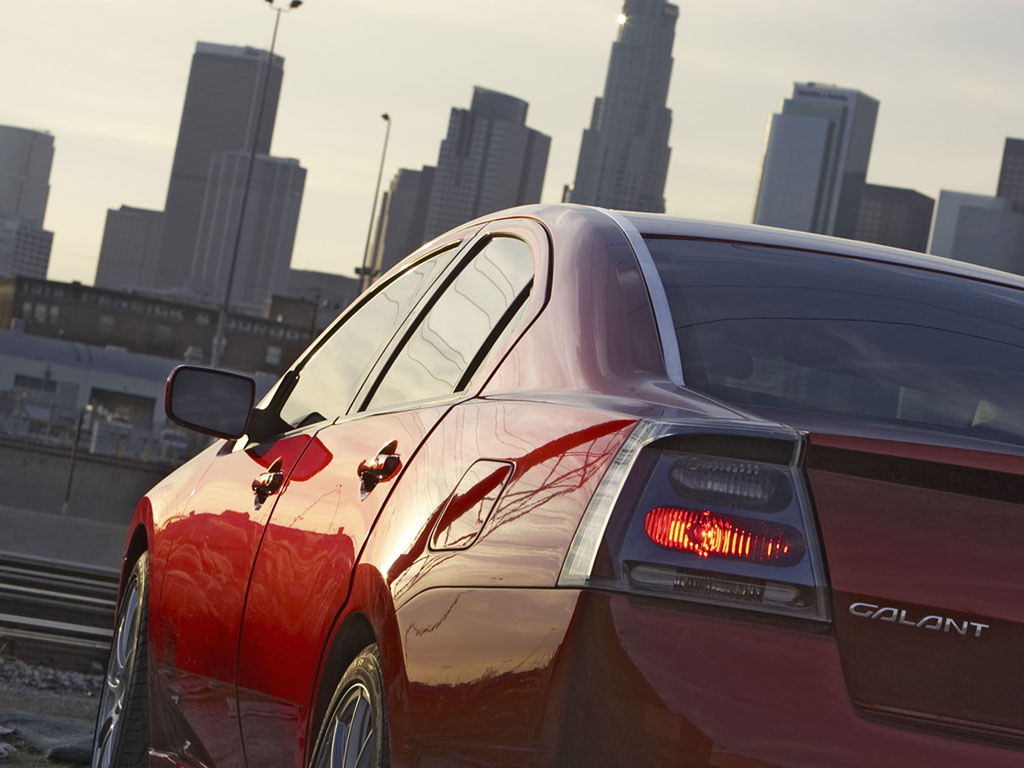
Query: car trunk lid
{"points": [[923, 545]]}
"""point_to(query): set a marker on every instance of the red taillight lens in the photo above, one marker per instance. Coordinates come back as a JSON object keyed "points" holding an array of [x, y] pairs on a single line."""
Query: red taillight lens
{"points": [[710, 534], [720, 517]]}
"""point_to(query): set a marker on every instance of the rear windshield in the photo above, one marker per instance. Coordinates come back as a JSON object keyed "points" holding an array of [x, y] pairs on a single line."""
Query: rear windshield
{"points": [[764, 326]]}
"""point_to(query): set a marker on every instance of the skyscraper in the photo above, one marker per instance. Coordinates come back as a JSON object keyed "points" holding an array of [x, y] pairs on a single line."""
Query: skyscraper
{"points": [[893, 216], [815, 161], [403, 217], [980, 230], [221, 109], [268, 233], [26, 157], [24, 248], [1011, 173], [490, 160], [624, 155], [130, 247]]}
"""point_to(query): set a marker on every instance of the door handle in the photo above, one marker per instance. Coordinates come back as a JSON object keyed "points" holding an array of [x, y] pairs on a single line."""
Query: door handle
{"points": [[380, 469], [268, 483]]}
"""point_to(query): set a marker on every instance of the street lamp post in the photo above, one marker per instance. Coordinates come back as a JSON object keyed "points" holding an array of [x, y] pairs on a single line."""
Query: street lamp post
{"points": [[219, 336], [87, 411], [366, 272]]}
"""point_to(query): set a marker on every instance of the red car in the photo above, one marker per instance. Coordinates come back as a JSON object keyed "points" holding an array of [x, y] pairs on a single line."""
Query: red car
{"points": [[576, 487]]}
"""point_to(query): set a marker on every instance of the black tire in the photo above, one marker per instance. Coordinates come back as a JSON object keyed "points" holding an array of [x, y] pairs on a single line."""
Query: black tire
{"points": [[121, 738], [357, 718]]}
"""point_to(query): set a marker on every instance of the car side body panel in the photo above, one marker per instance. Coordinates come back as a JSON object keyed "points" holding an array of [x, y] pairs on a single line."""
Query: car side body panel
{"points": [[559, 452], [301, 577]]}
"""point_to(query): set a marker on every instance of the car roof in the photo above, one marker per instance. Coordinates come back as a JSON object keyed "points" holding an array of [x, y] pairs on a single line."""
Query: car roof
{"points": [[662, 225]]}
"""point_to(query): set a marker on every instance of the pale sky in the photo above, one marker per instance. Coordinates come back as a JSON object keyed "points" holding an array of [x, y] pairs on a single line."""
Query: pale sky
{"points": [[107, 78]]}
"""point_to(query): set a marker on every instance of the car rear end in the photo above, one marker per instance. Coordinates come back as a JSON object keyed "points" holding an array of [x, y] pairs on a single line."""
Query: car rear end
{"points": [[837, 578]]}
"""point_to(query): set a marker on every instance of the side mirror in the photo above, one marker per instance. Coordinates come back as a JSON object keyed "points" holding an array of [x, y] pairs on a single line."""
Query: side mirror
{"points": [[206, 400]]}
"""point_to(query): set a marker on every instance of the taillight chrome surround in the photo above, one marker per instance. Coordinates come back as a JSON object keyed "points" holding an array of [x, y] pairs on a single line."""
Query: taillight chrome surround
{"points": [[698, 512]]}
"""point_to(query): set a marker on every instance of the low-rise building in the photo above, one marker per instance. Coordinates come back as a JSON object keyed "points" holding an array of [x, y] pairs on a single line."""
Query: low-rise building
{"points": [[146, 324]]}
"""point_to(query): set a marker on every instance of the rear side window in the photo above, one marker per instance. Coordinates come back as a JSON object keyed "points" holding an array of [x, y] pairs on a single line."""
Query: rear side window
{"points": [[455, 335], [762, 326], [328, 381]]}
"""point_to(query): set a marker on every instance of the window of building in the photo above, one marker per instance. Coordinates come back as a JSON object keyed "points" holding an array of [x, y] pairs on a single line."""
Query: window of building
{"points": [[455, 335], [273, 355], [54, 314], [34, 383], [163, 336], [106, 325], [39, 313]]}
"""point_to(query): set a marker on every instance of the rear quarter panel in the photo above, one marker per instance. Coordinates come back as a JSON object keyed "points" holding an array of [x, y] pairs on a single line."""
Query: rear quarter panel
{"points": [[483, 622]]}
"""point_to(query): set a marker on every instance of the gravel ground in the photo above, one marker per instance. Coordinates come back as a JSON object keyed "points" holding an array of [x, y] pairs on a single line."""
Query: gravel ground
{"points": [[17, 674], [40, 700]]}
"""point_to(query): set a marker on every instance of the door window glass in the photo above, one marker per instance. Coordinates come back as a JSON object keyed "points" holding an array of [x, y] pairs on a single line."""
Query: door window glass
{"points": [[328, 381], [456, 333]]}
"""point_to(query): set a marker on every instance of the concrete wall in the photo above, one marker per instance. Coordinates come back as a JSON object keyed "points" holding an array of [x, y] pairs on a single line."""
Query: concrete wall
{"points": [[103, 489]]}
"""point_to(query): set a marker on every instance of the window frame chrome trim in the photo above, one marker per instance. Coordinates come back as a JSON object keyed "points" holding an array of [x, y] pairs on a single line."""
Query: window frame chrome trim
{"points": [[656, 293]]}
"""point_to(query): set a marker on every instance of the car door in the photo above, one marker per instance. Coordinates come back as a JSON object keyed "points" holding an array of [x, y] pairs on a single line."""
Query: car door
{"points": [[212, 546], [302, 574]]}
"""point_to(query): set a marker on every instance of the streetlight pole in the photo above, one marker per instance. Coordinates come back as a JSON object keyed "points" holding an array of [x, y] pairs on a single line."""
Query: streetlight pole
{"points": [[366, 272], [220, 335]]}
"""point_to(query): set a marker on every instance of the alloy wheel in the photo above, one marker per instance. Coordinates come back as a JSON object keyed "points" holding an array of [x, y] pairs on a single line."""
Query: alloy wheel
{"points": [[351, 732], [116, 680]]}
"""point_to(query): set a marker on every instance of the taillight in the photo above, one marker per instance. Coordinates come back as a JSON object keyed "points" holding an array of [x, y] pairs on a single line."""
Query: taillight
{"points": [[722, 519], [709, 534]]}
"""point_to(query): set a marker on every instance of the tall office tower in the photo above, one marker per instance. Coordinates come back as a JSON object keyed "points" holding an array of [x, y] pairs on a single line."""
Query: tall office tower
{"points": [[815, 161], [403, 217], [490, 160], [24, 248], [26, 157], [221, 109], [268, 233], [1011, 173], [893, 216], [130, 248], [624, 155], [978, 229]]}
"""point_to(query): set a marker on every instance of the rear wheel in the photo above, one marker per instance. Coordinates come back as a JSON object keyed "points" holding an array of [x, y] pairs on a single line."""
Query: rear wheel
{"points": [[122, 724], [355, 730]]}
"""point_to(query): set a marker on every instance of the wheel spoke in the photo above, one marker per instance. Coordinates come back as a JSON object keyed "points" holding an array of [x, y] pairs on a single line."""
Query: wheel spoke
{"points": [[362, 750], [350, 726], [115, 689], [106, 744], [351, 731]]}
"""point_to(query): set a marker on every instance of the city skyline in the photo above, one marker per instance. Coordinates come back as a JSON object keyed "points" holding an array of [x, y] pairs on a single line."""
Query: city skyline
{"points": [[109, 84]]}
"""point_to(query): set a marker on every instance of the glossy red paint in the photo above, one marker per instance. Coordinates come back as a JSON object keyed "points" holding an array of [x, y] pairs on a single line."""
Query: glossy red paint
{"points": [[254, 612], [469, 506], [480, 669], [300, 580], [942, 596], [670, 685], [559, 453], [580, 679], [599, 335], [210, 547]]}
